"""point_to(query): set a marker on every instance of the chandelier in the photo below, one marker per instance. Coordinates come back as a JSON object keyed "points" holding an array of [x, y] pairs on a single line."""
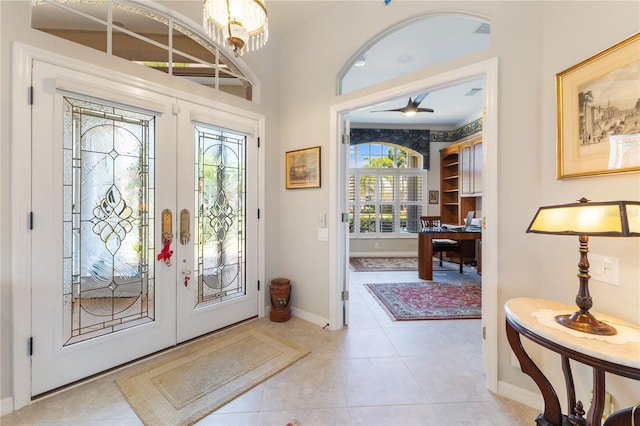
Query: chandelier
{"points": [[241, 23]]}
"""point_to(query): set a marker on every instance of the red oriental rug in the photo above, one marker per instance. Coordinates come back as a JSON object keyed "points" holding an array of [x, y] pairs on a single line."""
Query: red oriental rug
{"points": [[429, 300]]}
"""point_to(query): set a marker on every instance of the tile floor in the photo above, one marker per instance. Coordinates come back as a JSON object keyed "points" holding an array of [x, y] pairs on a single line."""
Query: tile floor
{"points": [[374, 372]]}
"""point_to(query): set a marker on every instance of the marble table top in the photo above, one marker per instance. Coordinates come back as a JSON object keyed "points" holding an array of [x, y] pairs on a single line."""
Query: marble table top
{"points": [[537, 316]]}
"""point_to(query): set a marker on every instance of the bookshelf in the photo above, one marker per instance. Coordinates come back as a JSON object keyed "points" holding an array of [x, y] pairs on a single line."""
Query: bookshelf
{"points": [[455, 203], [450, 184]]}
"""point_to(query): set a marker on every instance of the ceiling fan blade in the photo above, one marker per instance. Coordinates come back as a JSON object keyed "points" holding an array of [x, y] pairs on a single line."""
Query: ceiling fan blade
{"points": [[403, 109], [412, 106], [418, 99]]}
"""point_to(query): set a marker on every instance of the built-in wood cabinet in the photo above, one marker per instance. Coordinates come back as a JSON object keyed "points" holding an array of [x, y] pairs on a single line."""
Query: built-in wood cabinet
{"points": [[471, 167], [460, 179]]}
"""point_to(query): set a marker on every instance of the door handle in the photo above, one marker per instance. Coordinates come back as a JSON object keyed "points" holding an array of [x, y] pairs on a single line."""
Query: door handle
{"points": [[167, 236], [167, 231], [185, 233]]}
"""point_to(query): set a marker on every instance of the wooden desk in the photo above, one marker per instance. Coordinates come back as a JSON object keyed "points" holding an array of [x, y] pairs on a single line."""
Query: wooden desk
{"points": [[425, 246], [619, 355]]}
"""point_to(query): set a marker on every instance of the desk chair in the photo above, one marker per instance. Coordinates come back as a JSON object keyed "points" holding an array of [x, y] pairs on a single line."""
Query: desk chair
{"points": [[441, 245]]}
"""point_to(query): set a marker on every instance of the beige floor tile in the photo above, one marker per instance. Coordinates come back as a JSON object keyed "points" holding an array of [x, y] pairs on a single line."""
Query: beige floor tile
{"points": [[380, 381], [363, 343], [309, 417], [313, 382], [452, 382], [486, 413], [230, 419], [395, 415], [429, 337], [374, 372]]}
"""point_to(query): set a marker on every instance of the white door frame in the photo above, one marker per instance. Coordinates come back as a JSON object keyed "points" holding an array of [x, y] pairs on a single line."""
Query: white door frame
{"points": [[21, 74], [488, 70]]}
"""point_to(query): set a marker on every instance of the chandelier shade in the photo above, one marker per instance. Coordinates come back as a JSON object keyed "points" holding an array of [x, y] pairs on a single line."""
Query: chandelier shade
{"points": [[242, 24]]}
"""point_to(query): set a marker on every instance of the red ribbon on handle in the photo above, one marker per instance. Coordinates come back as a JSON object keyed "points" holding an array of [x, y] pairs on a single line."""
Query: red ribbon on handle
{"points": [[166, 252]]}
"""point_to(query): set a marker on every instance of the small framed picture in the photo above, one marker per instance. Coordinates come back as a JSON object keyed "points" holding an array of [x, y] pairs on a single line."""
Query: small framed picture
{"points": [[302, 168], [434, 196], [598, 119]]}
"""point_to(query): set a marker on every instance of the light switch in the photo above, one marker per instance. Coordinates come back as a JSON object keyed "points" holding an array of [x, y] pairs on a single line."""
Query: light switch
{"points": [[605, 269], [323, 220], [323, 234]]}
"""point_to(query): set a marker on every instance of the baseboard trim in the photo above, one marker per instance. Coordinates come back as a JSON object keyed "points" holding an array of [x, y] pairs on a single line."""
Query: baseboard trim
{"points": [[309, 317], [523, 396], [312, 318], [383, 254], [6, 406]]}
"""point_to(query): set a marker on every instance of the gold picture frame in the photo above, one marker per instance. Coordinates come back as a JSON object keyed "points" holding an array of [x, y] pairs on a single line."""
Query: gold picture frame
{"points": [[598, 107], [434, 196], [302, 168]]}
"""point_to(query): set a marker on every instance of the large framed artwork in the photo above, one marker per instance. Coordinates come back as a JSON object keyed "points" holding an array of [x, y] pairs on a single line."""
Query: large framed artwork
{"points": [[303, 168], [599, 113]]}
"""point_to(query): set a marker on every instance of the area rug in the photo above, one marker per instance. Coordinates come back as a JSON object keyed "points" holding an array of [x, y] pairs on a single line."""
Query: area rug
{"points": [[429, 300], [380, 264], [187, 387]]}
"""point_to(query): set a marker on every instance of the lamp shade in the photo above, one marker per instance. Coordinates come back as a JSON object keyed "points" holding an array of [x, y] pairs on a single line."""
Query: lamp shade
{"points": [[585, 219], [611, 219], [242, 23]]}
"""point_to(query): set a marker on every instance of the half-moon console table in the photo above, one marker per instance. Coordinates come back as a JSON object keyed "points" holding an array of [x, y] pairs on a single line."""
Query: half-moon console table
{"points": [[619, 355]]}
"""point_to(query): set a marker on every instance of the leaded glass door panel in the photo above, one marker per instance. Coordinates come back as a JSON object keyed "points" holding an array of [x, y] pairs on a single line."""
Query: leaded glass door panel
{"points": [[221, 261], [108, 268]]}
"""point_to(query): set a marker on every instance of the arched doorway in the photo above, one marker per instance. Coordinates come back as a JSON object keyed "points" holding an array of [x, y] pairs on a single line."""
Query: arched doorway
{"points": [[339, 249]]}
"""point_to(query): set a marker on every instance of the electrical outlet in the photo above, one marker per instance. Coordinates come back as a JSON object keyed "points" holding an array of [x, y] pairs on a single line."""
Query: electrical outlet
{"points": [[376, 245]]}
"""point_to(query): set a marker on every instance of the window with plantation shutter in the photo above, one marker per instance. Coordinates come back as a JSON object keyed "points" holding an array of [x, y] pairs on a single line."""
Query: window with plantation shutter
{"points": [[385, 194]]}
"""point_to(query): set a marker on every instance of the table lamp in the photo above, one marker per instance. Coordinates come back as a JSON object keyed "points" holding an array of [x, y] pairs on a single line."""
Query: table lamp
{"points": [[585, 219]]}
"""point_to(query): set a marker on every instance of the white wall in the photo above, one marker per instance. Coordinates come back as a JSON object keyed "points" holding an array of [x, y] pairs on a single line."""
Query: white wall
{"points": [[533, 41]]}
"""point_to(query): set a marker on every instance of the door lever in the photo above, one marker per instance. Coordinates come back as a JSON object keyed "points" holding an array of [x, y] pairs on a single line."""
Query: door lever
{"points": [[185, 234]]}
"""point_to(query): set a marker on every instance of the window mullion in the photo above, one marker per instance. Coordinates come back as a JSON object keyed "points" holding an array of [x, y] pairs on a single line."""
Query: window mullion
{"points": [[356, 204], [396, 199], [375, 203], [109, 28]]}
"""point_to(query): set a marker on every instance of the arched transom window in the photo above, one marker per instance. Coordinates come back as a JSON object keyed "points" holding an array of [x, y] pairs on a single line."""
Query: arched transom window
{"points": [[145, 33], [413, 45]]}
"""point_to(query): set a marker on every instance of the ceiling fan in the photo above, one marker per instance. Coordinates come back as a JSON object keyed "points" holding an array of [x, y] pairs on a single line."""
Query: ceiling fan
{"points": [[412, 107]]}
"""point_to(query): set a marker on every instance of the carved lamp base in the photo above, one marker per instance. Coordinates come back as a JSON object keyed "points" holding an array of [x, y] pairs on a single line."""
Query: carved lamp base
{"points": [[586, 323]]}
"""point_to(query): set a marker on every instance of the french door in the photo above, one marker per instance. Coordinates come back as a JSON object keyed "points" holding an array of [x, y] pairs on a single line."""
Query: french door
{"points": [[143, 233], [217, 272]]}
